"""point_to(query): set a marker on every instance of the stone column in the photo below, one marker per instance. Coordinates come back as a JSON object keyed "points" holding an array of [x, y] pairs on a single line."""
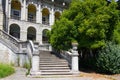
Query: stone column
{"points": [[1, 15], [51, 19], [23, 10], [9, 9], [75, 65], [35, 64], [26, 13], [38, 14]]}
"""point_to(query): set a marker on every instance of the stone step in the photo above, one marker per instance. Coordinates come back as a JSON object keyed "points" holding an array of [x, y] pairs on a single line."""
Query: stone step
{"points": [[56, 73], [60, 70], [52, 61], [54, 65], [51, 64], [62, 63], [53, 68]]}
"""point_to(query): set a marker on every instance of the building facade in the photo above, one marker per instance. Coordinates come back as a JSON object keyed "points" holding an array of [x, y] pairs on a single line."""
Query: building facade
{"points": [[30, 19]]}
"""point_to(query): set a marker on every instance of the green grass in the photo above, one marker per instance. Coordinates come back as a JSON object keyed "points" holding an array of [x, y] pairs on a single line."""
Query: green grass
{"points": [[6, 70]]}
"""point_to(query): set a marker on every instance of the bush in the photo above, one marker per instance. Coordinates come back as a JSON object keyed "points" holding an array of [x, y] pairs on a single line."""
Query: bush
{"points": [[6, 70], [108, 60]]}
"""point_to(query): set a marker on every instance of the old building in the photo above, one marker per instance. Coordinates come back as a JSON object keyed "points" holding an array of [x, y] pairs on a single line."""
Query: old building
{"points": [[30, 19]]}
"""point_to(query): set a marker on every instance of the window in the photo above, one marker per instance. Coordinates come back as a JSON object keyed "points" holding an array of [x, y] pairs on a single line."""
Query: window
{"points": [[16, 13]]}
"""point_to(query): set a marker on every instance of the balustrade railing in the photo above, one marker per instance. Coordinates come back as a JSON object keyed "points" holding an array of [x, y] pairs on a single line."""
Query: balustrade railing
{"points": [[68, 56], [32, 20], [9, 41], [45, 22], [14, 44], [15, 17]]}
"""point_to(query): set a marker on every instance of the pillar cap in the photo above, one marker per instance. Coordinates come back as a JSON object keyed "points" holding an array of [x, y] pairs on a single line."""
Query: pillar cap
{"points": [[74, 45]]}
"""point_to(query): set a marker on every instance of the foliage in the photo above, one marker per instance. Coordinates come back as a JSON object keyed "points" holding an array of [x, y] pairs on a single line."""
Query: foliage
{"points": [[90, 22], [62, 35], [6, 70], [108, 60], [28, 67]]}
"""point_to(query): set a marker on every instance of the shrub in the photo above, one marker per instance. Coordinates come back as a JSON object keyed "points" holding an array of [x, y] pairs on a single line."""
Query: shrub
{"points": [[108, 60], [6, 70]]}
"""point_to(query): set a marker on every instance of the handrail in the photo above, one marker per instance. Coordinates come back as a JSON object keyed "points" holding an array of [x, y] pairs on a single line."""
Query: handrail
{"points": [[68, 56], [9, 41], [31, 48]]}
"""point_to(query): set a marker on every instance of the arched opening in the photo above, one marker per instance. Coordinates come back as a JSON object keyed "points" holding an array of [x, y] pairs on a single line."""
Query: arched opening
{"points": [[44, 36], [45, 16], [31, 33], [15, 9], [31, 13], [57, 15], [15, 31]]}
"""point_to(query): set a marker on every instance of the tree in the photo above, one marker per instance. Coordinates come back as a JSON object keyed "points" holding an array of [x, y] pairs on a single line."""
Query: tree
{"points": [[89, 22]]}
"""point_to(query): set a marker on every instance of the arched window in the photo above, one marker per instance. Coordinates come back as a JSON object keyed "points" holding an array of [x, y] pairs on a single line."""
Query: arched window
{"points": [[57, 15], [45, 16], [44, 36], [31, 13], [15, 9], [31, 33], [15, 31]]}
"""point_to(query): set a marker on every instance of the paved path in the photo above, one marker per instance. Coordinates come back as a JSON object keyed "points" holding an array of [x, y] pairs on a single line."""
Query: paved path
{"points": [[20, 75]]}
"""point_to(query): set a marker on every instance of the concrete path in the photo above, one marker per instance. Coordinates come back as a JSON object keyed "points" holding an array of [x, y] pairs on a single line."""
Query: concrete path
{"points": [[20, 75]]}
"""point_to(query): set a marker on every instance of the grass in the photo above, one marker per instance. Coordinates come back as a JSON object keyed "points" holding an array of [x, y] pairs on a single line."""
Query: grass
{"points": [[6, 70]]}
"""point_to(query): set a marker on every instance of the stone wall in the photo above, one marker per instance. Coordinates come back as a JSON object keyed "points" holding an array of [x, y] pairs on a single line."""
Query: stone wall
{"points": [[7, 56]]}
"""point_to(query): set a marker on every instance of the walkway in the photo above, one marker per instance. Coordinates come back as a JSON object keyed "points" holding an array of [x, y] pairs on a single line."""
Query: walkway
{"points": [[20, 75]]}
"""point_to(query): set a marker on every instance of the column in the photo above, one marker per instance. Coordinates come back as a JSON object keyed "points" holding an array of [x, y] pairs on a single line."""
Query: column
{"points": [[23, 10], [26, 13], [38, 16], [9, 9], [1, 15], [0, 2], [51, 19], [75, 65]]}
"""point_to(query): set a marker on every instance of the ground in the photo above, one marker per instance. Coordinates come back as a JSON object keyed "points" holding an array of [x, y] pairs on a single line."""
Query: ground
{"points": [[20, 75]]}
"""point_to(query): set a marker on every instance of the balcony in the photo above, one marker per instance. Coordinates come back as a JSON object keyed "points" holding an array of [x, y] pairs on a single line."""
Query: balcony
{"points": [[45, 22], [32, 20], [15, 17]]}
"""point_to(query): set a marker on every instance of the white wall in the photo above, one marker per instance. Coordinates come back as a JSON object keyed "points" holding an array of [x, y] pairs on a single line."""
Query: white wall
{"points": [[7, 56]]}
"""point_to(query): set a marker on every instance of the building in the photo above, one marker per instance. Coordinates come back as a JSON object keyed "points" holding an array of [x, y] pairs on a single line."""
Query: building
{"points": [[30, 19]]}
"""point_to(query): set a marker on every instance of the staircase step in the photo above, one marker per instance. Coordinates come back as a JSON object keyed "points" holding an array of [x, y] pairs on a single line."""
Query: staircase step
{"points": [[44, 63], [53, 65], [57, 73], [60, 70], [53, 68]]}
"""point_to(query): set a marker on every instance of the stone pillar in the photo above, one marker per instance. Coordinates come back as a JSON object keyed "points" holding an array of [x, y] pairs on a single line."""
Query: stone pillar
{"points": [[51, 19], [23, 10], [35, 64], [1, 15], [9, 10], [26, 13], [75, 65], [38, 16]]}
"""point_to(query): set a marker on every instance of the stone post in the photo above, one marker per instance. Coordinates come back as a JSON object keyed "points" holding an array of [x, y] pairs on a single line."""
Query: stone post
{"points": [[23, 10], [75, 65], [35, 64], [9, 10]]}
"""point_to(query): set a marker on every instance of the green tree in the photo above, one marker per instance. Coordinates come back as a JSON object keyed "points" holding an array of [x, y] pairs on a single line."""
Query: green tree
{"points": [[89, 22]]}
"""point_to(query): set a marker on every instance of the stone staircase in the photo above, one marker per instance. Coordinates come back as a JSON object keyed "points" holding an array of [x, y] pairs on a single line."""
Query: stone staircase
{"points": [[51, 64]]}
